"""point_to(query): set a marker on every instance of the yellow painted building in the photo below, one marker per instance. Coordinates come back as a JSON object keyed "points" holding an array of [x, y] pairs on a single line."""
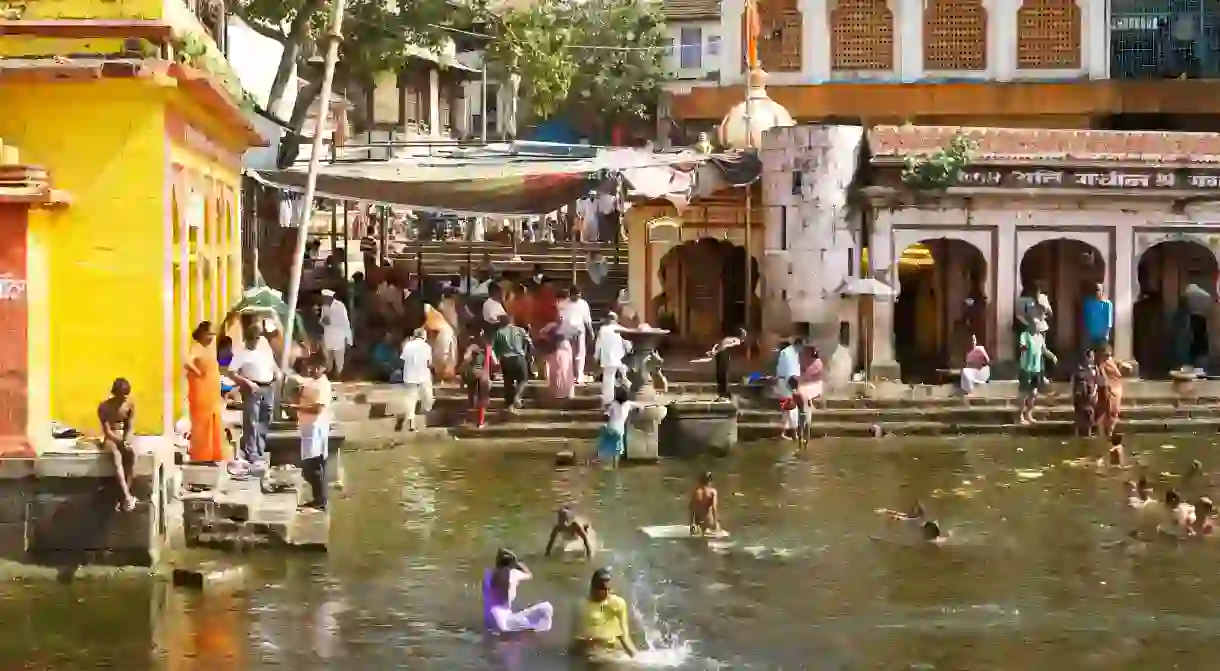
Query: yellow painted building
{"points": [[130, 108]]}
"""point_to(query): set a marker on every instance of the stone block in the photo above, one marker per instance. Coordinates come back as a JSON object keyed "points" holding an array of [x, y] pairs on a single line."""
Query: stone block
{"points": [[233, 509], [60, 523], [209, 576], [694, 429], [276, 508], [310, 530], [14, 495], [13, 468], [14, 541], [202, 476], [276, 532]]}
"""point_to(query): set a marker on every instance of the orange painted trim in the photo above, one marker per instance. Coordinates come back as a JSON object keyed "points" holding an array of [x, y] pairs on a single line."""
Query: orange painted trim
{"points": [[957, 99], [58, 70], [29, 185], [216, 99], [154, 31], [180, 130]]}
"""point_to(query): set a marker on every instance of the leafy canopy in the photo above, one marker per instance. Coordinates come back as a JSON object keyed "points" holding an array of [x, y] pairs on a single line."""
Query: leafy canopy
{"points": [[545, 44]]}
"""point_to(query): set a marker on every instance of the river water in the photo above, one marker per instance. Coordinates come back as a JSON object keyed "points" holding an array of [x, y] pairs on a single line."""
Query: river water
{"points": [[1035, 575]]}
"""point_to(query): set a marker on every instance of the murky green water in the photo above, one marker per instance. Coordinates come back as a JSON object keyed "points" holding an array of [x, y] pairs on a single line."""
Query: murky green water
{"points": [[1031, 582]]}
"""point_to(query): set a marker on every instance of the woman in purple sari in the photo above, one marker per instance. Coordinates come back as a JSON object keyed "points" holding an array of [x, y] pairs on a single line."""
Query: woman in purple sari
{"points": [[499, 590]]}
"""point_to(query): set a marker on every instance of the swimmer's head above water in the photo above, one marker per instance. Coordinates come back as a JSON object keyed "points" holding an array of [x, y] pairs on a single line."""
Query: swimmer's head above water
{"points": [[564, 516], [1172, 499], [1204, 507], [505, 559], [705, 479], [1142, 488], [599, 584], [931, 531]]}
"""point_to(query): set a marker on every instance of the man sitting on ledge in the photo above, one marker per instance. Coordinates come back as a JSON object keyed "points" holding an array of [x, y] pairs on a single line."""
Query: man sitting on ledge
{"points": [[117, 416]]}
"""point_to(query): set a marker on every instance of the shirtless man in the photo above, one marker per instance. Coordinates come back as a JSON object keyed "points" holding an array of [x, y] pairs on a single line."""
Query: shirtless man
{"points": [[571, 527], [704, 507], [117, 416], [1178, 516], [1201, 522]]}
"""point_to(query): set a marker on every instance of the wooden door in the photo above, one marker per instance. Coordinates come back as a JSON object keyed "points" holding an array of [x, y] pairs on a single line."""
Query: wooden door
{"points": [[14, 364]]}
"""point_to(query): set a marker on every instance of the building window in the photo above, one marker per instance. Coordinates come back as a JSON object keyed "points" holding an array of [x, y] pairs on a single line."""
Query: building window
{"points": [[690, 49], [713, 45]]}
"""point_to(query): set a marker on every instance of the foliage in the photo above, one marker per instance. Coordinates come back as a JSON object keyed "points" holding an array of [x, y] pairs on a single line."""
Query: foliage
{"points": [[193, 50], [941, 169], [544, 44], [377, 35]]}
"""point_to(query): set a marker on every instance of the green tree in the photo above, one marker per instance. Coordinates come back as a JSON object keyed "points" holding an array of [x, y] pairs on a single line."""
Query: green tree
{"points": [[378, 36], [595, 60]]}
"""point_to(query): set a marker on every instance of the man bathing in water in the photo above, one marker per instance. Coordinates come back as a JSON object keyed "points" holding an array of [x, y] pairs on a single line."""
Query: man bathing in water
{"points": [[704, 507], [570, 527], [917, 520], [117, 415]]}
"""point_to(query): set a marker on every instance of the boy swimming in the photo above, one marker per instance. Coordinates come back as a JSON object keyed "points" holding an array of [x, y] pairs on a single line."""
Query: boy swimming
{"points": [[571, 527], [704, 507]]}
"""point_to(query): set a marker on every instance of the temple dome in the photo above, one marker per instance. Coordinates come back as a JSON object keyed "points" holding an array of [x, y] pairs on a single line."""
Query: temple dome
{"points": [[764, 114]]}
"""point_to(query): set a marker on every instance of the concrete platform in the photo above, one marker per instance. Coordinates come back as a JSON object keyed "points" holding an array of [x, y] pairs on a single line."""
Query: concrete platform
{"points": [[58, 509], [247, 514]]}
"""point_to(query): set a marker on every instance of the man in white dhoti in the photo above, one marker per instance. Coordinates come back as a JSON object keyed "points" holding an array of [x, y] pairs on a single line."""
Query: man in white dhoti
{"points": [[336, 332], [610, 350]]}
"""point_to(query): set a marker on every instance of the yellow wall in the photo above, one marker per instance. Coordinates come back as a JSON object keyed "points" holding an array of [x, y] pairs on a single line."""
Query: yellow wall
{"points": [[93, 9], [103, 142]]}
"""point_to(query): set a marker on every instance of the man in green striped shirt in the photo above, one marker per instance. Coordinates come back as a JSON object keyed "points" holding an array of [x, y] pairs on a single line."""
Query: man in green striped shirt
{"points": [[513, 347]]}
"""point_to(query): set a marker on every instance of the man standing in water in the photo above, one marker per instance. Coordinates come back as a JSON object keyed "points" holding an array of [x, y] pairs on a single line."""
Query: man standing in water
{"points": [[704, 507], [599, 627], [1033, 353]]}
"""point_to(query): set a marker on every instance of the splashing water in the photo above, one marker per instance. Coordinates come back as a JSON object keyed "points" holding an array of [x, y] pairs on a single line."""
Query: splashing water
{"points": [[664, 646]]}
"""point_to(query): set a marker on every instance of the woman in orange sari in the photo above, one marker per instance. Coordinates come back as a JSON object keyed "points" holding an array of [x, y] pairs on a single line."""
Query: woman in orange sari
{"points": [[203, 396]]}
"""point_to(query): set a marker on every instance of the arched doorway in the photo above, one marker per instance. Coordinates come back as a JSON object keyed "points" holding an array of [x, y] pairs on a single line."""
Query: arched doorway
{"points": [[703, 291], [942, 301], [1177, 284], [1067, 271]]}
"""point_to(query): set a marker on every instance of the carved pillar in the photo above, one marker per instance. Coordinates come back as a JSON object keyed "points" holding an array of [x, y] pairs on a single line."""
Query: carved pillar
{"points": [[884, 266], [1007, 285], [1123, 293]]}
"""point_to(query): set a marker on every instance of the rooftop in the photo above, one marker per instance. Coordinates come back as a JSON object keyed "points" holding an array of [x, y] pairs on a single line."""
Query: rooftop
{"points": [[690, 10], [1001, 145]]}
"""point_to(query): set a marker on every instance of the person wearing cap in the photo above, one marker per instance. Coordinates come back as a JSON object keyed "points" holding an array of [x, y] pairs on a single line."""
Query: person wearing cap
{"points": [[600, 627], [416, 375], [336, 332], [254, 369], [1033, 353]]}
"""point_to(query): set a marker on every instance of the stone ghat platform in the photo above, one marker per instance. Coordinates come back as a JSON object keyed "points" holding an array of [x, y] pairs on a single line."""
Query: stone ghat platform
{"points": [[231, 514], [58, 509], [372, 412]]}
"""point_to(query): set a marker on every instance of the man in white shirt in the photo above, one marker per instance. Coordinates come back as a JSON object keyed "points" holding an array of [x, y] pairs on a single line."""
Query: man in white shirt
{"points": [[493, 309], [416, 376], [336, 332], [313, 422], [254, 370], [577, 320], [610, 350]]}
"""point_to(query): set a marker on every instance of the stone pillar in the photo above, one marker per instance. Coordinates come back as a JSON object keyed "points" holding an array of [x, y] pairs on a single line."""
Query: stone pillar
{"points": [[664, 122], [908, 15], [815, 41], [732, 68], [1095, 38], [1002, 38], [883, 264], [434, 103], [1122, 294]]}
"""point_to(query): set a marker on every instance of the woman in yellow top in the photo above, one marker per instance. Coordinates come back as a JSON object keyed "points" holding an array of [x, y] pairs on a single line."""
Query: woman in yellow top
{"points": [[600, 624]]}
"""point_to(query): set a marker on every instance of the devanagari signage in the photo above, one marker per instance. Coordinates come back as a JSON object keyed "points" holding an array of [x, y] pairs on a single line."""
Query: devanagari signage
{"points": [[1138, 179]]}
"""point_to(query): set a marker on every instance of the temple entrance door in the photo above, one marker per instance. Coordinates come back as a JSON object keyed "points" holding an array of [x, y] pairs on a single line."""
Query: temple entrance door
{"points": [[941, 303], [703, 293], [1067, 271], [1173, 317]]}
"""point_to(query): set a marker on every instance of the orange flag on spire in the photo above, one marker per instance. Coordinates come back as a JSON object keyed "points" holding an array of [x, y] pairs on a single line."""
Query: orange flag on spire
{"points": [[753, 29]]}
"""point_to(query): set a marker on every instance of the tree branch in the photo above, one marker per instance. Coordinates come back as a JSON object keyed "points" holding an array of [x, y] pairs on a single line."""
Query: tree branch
{"points": [[258, 26]]}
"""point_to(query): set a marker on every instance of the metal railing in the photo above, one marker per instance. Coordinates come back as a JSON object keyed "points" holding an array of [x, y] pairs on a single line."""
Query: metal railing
{"points": [[1165, 39]]}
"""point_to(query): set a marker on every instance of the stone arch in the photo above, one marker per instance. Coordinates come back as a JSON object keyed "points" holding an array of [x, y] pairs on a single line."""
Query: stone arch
{"points": [[703, 291], [1067, 270], [779, 40], [1048, 35], [954, 35], [861, 36], [1175, 324], [941, 302]]}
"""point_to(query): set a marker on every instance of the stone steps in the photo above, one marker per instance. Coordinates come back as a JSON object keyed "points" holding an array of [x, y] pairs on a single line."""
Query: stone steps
{"points": [[222, 512]]}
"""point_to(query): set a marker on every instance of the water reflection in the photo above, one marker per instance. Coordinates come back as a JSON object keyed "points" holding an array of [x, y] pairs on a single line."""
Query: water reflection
{"points": [[1038, 575]]}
